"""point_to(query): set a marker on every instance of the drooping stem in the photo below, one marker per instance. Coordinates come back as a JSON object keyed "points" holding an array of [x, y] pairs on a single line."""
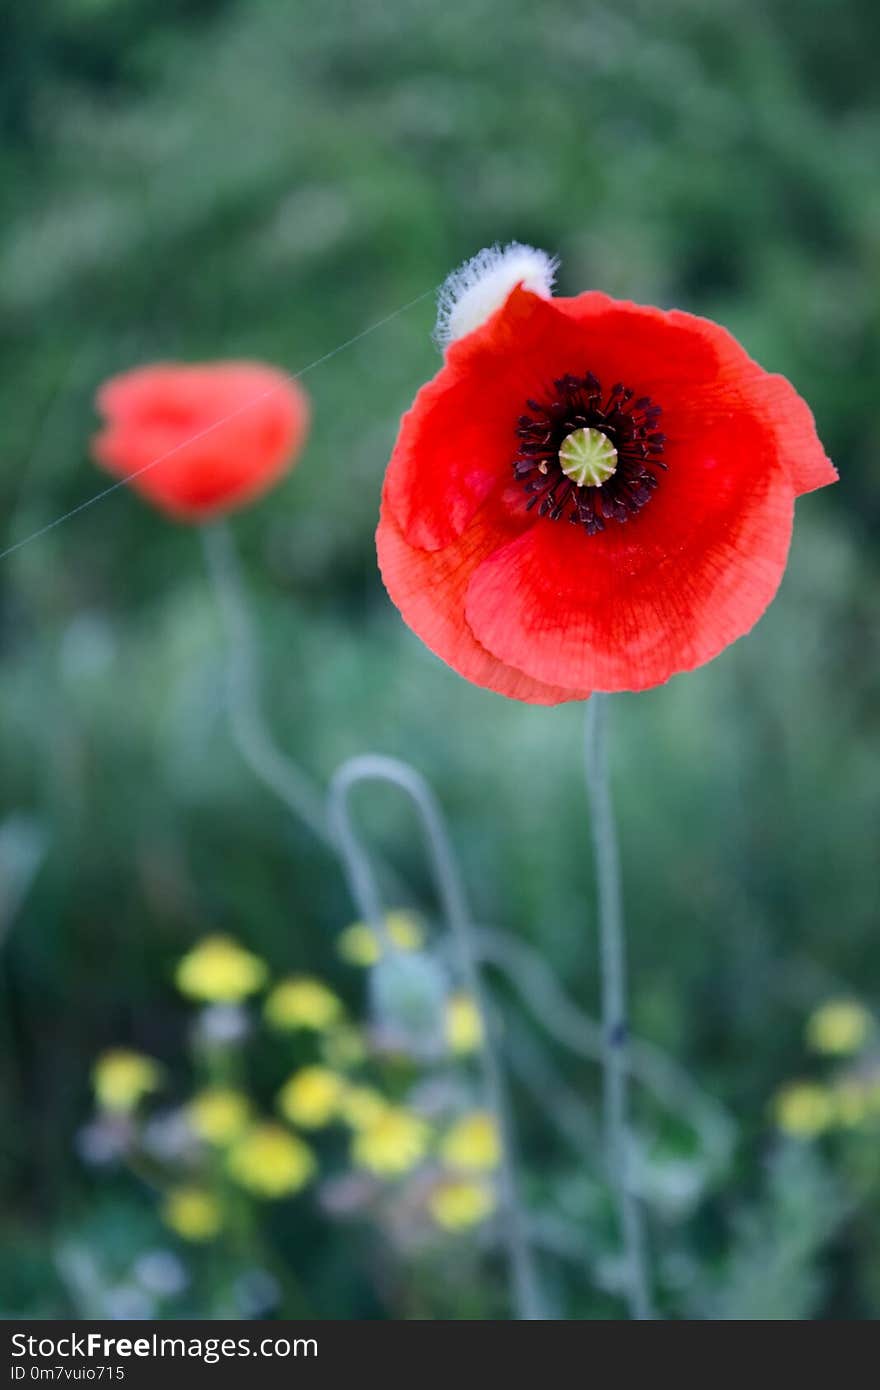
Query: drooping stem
{"points": [[450, 889], [274, 768], [262, 755], [612, 970]]}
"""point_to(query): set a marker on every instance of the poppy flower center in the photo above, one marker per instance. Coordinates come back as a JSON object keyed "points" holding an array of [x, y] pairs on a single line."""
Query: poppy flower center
{"points": [[588, 454], [588, 457]]}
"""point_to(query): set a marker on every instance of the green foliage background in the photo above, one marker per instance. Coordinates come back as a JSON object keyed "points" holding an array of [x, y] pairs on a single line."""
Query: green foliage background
{"points": [[192, 179]]}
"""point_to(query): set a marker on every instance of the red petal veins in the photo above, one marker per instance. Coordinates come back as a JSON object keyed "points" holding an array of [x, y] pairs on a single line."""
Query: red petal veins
{"points": [[663, 593], [794, 429], [416, 579]]}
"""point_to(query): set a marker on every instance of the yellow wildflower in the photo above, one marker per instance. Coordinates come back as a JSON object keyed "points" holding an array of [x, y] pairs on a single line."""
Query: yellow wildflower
{"points": [[839, 1027], [358, 944], [473, 1143], [302, 1002], [361, 1106], [464, 1027], [343, 1048], [192, 1213], [270, 1162], [311, 1097], [803, 1109], [392, 1143], [218, 1115], [121, 1078], [218, 970], [456, 1205]]}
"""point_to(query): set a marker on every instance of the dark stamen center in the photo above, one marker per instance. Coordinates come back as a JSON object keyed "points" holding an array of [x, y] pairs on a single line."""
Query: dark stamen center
{"points": [[568, 468]]}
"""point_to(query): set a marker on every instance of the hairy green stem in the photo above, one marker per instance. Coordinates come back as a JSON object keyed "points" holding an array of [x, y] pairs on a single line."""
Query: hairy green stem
{"points": [[257, 748], [535, 982], [612, 970], [275, 769]]}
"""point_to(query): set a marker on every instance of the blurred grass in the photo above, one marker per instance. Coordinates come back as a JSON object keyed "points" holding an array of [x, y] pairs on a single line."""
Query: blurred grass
{"points": [[200, 180]]}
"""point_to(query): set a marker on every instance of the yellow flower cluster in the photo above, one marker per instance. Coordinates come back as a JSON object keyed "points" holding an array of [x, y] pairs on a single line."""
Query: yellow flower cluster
{"points": [[270, 1162], [458, 1204], [391, 1143], [806, 1109], [121, 1078], [473, 1144], [803, 1109], [839, 1027], [302, 1002], [192, 1213], [388, 1139], [311, 1097], [219, 971], [464, 1027], [358, 944], [218, 1115]]}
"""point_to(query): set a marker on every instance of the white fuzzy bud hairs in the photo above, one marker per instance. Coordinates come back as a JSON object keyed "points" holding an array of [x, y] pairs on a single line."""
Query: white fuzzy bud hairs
{"points": [[472, 293]]}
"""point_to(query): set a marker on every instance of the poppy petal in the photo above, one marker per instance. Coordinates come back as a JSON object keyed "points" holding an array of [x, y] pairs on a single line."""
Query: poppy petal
{"points": [[795, 429], [429, 587], [456, 443], [639, 343], [662, 593], [199, 440]]}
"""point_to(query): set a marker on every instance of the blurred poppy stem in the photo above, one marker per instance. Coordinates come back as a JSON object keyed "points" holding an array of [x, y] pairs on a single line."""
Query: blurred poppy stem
{"points": [[450, 889], [612, 968], [529, 974], [256, 746]]}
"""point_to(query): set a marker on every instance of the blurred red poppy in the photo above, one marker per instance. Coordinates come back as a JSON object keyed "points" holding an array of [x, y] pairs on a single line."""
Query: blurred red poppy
{"points": [[592, 495], [208, 437]]}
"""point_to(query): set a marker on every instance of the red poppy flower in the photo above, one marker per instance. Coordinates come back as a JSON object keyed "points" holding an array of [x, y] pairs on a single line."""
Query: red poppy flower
{"points": [[592, 495], [208, 437]]}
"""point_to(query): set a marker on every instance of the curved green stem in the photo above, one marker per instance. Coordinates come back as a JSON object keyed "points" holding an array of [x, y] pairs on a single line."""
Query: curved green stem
{"points": [[452, 897], [257, 748], [275, 769]]}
